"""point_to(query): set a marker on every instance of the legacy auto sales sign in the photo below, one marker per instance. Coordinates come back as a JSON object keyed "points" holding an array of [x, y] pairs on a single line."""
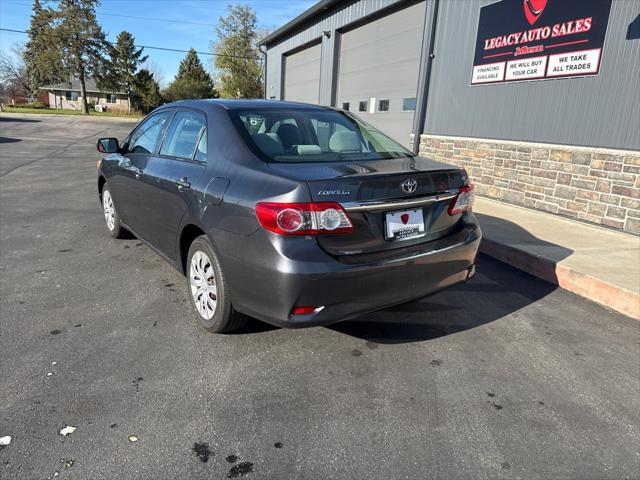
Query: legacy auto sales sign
{"points": [[534, 39]]}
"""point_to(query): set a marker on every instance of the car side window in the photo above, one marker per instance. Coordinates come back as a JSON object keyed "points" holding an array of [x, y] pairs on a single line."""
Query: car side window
{"points": [[186, 132], [145, 138]]}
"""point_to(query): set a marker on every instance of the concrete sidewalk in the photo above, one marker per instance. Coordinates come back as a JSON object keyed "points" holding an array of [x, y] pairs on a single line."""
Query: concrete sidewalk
{"points": [[593, 262]]}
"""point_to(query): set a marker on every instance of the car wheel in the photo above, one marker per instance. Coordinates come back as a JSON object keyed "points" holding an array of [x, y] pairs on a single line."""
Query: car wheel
{"points": [[111, 217], [208, 289]]}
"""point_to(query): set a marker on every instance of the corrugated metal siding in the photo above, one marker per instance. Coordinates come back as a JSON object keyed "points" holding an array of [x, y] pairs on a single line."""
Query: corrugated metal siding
{"points": [[336, 18], [599, 111]]}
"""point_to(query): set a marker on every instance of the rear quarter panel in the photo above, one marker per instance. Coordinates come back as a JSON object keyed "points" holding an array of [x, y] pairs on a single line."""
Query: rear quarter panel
{"points": [[249, 181]]}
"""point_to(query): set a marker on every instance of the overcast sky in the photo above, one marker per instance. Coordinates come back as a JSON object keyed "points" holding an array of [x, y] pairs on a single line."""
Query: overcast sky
{"points": [[167, 30]]}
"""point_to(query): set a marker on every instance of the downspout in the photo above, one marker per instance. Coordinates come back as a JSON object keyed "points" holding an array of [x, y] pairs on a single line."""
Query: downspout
{"points": [[424, 78], [264, 78]]}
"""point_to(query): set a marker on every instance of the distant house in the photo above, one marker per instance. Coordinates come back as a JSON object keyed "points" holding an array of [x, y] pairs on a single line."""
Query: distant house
{"points": [[66, 95]]}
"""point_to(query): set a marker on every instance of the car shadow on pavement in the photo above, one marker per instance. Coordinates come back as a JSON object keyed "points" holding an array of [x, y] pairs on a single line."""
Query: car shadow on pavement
{"points": [[506, 233], [253, 325], [9, 140], [496, 291], [18, 120]]}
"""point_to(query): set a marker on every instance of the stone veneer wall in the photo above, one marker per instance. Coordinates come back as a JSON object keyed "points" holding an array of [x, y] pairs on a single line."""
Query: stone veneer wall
{"points": [[595, 185]]}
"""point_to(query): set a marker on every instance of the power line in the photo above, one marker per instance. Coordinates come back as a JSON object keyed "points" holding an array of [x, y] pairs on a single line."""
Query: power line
{"points": [[98, 12], [150, 47]]}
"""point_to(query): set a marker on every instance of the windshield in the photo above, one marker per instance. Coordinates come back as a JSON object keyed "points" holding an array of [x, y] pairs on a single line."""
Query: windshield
{"points": [[301, 136]]}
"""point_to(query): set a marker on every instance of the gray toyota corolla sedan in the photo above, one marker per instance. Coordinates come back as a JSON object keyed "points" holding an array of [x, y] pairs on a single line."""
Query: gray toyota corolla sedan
{"points": [[294, 214]]}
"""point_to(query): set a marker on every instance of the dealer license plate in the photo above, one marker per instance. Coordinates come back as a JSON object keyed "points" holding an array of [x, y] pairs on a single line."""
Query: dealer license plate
{"points": [[404, 224]]}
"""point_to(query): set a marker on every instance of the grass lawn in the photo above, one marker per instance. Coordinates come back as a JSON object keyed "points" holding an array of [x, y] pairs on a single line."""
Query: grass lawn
{"points": [[58, 111]]}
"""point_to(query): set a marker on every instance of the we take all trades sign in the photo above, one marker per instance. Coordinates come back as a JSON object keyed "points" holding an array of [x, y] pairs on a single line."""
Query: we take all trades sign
{"points": [[537, 39]]}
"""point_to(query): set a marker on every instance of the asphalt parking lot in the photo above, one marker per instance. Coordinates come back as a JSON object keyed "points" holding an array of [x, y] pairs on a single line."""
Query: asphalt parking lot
{"points": [[503, 377]]}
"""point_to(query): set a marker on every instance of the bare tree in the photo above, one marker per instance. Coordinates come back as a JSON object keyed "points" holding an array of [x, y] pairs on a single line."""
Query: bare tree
{"points": [[13, 75], [156, 70], [261, 33]]}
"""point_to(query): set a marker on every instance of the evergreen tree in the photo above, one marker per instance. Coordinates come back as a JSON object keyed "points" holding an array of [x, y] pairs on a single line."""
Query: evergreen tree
{"points": [[147, 90], [82, 42], [42, 53], [192, 80], [237, 63], [122, 66]]}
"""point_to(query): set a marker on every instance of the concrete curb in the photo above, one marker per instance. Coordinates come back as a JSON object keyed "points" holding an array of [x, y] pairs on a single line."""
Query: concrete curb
{"points": [[594, 289]]}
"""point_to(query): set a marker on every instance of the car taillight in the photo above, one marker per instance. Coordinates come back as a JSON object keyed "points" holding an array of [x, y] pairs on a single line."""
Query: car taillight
{"points": [[303, 218], [463, 201]]}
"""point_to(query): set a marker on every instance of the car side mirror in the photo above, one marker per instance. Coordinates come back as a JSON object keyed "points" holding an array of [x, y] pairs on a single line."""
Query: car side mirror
{"points": [[108, 145]]}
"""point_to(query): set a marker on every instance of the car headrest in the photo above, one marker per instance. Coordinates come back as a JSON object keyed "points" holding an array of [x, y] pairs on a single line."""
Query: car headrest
{"points": [[308, 150], [289, 135], [269, 144], [345, 142]]}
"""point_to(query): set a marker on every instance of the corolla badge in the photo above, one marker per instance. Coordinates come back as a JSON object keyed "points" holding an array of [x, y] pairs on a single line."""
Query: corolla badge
{"points": [[334, 192], [409, 185]]}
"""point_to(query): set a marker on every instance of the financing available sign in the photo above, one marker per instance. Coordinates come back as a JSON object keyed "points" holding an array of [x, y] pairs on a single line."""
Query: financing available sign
{"points": [[539, 39]]}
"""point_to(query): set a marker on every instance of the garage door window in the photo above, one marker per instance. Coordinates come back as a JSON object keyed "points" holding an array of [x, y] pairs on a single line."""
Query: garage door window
{"points": [[409, 104], [383, 105], [362, 106], [345, 106]]}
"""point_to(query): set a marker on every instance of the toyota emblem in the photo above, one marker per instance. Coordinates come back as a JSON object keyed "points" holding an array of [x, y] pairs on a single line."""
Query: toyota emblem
{"points": [[409, 185]]}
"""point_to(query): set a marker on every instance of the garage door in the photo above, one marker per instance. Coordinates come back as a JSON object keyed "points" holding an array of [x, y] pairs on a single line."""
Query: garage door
{"points": [[378, 73], [302, 75]]}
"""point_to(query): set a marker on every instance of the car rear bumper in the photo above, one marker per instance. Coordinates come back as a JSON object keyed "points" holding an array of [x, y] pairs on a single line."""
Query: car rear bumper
{"points": [[267, 283]]}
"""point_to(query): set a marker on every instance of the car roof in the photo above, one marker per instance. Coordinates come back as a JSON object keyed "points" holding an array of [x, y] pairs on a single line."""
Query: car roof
{"points": [[242, 104]]}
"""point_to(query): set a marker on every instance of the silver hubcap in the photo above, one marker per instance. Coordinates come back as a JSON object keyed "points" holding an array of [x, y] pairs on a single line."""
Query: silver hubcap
{"points": [[109, 210], [203, 285]]}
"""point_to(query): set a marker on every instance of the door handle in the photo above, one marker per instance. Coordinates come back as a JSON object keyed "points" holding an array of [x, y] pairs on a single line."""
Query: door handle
{"points": [[183, 184]]}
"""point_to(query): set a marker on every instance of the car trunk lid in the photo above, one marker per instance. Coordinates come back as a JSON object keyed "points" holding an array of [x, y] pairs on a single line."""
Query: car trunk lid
{"points": [[371, 191]]}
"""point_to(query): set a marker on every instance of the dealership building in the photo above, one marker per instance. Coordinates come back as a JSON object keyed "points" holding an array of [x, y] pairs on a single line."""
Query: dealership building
{"points": [[538, 99]]}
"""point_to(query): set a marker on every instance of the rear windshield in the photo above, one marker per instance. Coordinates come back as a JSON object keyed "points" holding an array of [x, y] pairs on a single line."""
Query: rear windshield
{"points": [[300, 136]]}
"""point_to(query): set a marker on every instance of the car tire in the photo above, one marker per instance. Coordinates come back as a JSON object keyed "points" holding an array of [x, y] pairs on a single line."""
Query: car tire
{"points": [[205, 280], [111, 217]]}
